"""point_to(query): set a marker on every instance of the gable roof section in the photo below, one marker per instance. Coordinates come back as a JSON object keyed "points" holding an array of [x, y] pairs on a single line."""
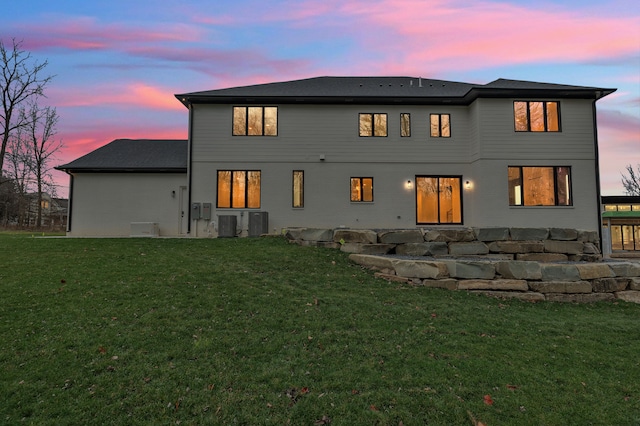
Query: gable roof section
{"points": [[134, 155], [384, 90]]}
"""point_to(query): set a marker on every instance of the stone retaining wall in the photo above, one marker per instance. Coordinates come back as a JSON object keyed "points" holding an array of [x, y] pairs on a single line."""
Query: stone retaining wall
{"points": [[526, 263]]}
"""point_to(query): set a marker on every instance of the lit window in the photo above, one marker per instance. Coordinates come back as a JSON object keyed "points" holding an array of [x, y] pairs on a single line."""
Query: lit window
{"points": [[537, 116], [238, 189], [540, 186], [255, 121], [405, 125], [298, 188], [362, 189], [439, 199], [440, 125], [373, 124]]}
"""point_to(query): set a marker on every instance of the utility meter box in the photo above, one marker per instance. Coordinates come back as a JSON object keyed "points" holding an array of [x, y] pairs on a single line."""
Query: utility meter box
{"points": [[206, 211], [195, 211]]}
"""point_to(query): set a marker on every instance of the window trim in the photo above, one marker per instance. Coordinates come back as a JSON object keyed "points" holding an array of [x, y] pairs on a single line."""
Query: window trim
{"points": [[293, 189], [544, 114], [246, 123], [459, 177], [361, 200], [555, 188], [402, 128], [246, 189], [439, 115], [373, 126]]}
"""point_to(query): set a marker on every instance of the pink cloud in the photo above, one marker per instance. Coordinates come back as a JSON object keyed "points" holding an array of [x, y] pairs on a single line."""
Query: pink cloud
{"points": [[85, 33], [134, 94]]}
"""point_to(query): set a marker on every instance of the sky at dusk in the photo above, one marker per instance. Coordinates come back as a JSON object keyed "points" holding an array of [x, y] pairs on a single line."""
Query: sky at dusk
{"points": [[118, 64]]}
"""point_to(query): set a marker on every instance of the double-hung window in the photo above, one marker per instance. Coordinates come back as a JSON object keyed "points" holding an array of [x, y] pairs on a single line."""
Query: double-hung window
{"points": [[362, 189], [440, 125], [255, 121], [372, 124], [537, 116], [238, 189], [539, 186]]}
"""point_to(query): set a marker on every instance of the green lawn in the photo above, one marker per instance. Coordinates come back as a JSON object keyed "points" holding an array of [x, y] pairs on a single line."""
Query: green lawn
{"points": [[258, 331]]}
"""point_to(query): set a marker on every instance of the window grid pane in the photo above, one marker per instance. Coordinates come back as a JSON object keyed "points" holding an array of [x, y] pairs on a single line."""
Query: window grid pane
{"points": [[239, 121]]}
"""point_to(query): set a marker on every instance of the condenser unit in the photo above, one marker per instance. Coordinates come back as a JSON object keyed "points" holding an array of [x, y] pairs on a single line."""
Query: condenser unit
{"points": [[227, 225]]}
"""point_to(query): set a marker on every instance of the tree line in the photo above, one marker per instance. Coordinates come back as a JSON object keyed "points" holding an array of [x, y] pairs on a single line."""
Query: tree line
{"points": [[28, 131]]}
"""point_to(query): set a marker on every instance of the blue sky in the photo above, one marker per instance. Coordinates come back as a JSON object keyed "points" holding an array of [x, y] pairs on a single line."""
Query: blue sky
{"points": [[117, 64]]}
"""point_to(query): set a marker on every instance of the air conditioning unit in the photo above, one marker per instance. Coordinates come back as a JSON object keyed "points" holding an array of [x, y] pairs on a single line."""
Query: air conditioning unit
{"points": [[227, 225], [258, 223]]}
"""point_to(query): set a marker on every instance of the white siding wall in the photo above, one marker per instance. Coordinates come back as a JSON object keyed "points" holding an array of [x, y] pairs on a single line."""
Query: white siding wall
{"points": [[109, 202]]}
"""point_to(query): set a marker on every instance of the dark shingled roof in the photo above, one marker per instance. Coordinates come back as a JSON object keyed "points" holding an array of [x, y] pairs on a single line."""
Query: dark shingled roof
{"points": [[378, 90], [134, 155]]}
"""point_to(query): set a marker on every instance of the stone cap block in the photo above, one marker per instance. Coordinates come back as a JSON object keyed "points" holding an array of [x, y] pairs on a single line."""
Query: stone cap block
{"points": [[420, 269], [559, 272], [518, 269], [470, 269], [491, 234], [594, 270], [560, 286], [563, 234], [468, 248], [371, 261], [401, 236], [363, 236], [529, 234]]}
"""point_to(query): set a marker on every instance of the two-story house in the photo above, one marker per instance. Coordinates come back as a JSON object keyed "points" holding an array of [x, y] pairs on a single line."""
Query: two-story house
{"points": [[372, 152]]}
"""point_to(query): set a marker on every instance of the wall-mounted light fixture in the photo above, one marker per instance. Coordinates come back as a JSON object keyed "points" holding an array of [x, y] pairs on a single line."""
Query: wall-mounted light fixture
{"points": [[408, 184], [173, 194], [467, 185]]}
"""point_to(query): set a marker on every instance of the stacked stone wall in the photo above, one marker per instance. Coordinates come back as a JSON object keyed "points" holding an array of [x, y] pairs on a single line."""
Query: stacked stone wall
{"points": [[555, 264]]}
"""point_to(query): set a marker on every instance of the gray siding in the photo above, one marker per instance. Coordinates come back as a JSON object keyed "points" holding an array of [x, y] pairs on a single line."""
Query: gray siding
{"points": [[482, 145]]}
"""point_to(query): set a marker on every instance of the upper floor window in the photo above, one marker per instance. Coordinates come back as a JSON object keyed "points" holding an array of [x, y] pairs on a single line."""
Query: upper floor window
{"points": [[440, 125], [405, 125], [362, 189], [537, 116], [373, 124], [539, 186], [255, 121], [238, 189]]}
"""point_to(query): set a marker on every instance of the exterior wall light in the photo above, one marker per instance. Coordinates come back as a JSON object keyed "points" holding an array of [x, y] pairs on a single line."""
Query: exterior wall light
{"points": [[409, 184], [468, 185]]}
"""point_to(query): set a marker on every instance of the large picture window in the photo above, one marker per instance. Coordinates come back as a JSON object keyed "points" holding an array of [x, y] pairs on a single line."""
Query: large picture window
{"points": [[439, 199], [537, 116], [362, 189], [372, 124], [238, 189], [539, 186], [255, 121]]}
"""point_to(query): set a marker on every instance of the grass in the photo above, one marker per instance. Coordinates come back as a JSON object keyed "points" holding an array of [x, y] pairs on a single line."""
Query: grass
{"points": [[258, 331]]}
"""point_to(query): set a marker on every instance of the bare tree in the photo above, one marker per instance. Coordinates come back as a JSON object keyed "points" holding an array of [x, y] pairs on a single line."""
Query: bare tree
{"points": [[631, 182], [19, 169], [40, 137], [20, 80]]}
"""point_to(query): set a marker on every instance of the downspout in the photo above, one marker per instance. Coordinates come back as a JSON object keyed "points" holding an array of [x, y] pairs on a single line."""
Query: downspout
{"points": [[189, 156], [597, 158], [70, 204]]}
